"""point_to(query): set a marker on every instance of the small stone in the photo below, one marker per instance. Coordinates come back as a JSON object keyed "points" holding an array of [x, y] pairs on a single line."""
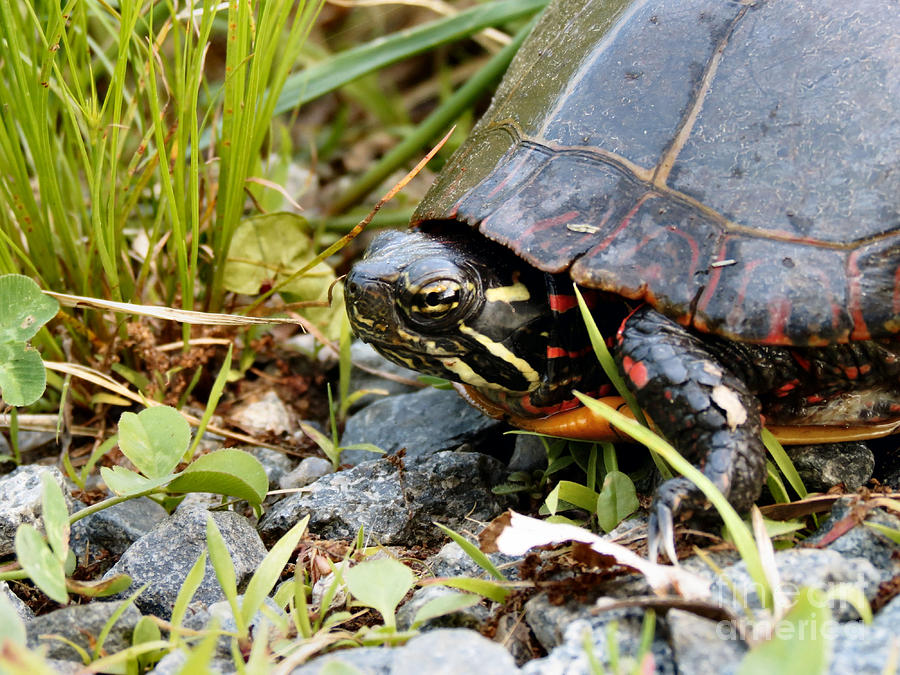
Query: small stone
{"points": [[162, 558], [308, 471], [20, 501], [862, 541], [448, 650], [22, 610], [82, 625], [470, 617], [452, 650], [267, 415], [593, 628], [275, 464], [797, 568], [362, 354], [221, 611], [422, 423], [702, 646], [363, 660], [821, 467], [118, 527], [173, 664], [30, 441], [862, 649], [394, 504], [529, 454], [453, 561]]}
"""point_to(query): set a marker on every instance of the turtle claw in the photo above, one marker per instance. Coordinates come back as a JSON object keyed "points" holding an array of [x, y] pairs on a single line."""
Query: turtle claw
{"points": [[661, 532], [674, 498]]}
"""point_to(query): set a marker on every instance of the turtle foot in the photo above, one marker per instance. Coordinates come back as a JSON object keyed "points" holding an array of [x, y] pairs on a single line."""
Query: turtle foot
{"points": [[676, 500]]}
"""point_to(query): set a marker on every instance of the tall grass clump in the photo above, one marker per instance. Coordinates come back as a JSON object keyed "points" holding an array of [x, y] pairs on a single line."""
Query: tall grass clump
{"points": [[107, 192], [133, 136]]}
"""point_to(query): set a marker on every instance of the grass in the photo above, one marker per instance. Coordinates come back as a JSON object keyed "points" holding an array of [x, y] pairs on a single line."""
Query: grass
{"points": [[136, 138]]}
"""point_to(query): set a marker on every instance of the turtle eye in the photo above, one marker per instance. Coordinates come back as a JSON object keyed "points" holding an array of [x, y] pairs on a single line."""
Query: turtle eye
{"points": [[436, 299], [433, 295]]}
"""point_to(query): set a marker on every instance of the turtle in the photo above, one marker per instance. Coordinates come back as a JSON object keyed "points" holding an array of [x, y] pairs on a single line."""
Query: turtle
{"points": [[721, 180]]}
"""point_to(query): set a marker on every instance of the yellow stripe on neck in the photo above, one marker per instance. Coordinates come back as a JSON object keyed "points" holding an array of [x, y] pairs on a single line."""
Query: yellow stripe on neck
{"points": [[501, 352], [518, 292]]}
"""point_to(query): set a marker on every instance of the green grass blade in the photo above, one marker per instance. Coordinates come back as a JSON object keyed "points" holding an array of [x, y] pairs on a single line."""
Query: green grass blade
{"points": [[785, 465], [214, 395], [436, 123], [605, 357], [474, 553], [186, 593], [269, 571], [611, 370], [354, 63]]}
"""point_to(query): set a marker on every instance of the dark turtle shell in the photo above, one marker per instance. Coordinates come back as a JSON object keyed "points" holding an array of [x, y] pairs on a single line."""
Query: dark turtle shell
{"points": [[734, 164]]}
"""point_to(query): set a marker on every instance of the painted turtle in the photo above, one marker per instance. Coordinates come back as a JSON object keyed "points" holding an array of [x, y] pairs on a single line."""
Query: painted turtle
{"points": [[723, 180]]}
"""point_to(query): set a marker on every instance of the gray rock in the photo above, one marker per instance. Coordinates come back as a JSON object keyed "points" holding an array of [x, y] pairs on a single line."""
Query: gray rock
{"points": [[61, 667], [309, 470], [34, 440], [394, 505], [862, 541], [821, 467], [117, 527], [453, 561], [702, 646], [448, 651], [571, 655], [529, 454], [797, 568], [275, 464], [471, 617], [364, 660], [162, 558], [548, 621], [267, 415], [199, 500], [866, 650], [22, 610], [173, 664], [20, 501], [222, 612], [82, 625], [225, 623], [363, 355], [424, 422]]}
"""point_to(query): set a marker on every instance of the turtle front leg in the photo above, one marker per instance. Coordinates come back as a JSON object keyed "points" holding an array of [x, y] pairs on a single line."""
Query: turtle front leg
{"points": [[702, 408]]}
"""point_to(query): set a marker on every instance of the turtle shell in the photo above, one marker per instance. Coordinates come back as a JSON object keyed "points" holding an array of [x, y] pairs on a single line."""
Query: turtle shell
{"points": [[734, 164]]}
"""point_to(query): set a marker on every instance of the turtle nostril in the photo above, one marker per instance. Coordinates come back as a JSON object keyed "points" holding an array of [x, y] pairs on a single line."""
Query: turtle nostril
{"points": [[352, 289]]}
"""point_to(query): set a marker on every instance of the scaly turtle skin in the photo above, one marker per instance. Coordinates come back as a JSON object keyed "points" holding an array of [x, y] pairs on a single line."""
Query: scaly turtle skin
{"points": [[721, 178]]}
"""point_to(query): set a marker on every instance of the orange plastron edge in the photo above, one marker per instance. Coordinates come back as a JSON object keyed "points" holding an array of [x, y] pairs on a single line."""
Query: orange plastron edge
{"points": [[583, 425]]}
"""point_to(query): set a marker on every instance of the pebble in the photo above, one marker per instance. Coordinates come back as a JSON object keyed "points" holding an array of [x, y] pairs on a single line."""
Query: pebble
{"points": [[422, 423], [446, 651], [163, 557], [308, 471], [821, 467], [395, 504], [82, 625], [20, 501]]}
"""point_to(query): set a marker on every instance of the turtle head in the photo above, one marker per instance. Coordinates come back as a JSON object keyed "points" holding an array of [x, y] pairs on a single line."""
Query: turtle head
{"points": [[454, 306]]}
